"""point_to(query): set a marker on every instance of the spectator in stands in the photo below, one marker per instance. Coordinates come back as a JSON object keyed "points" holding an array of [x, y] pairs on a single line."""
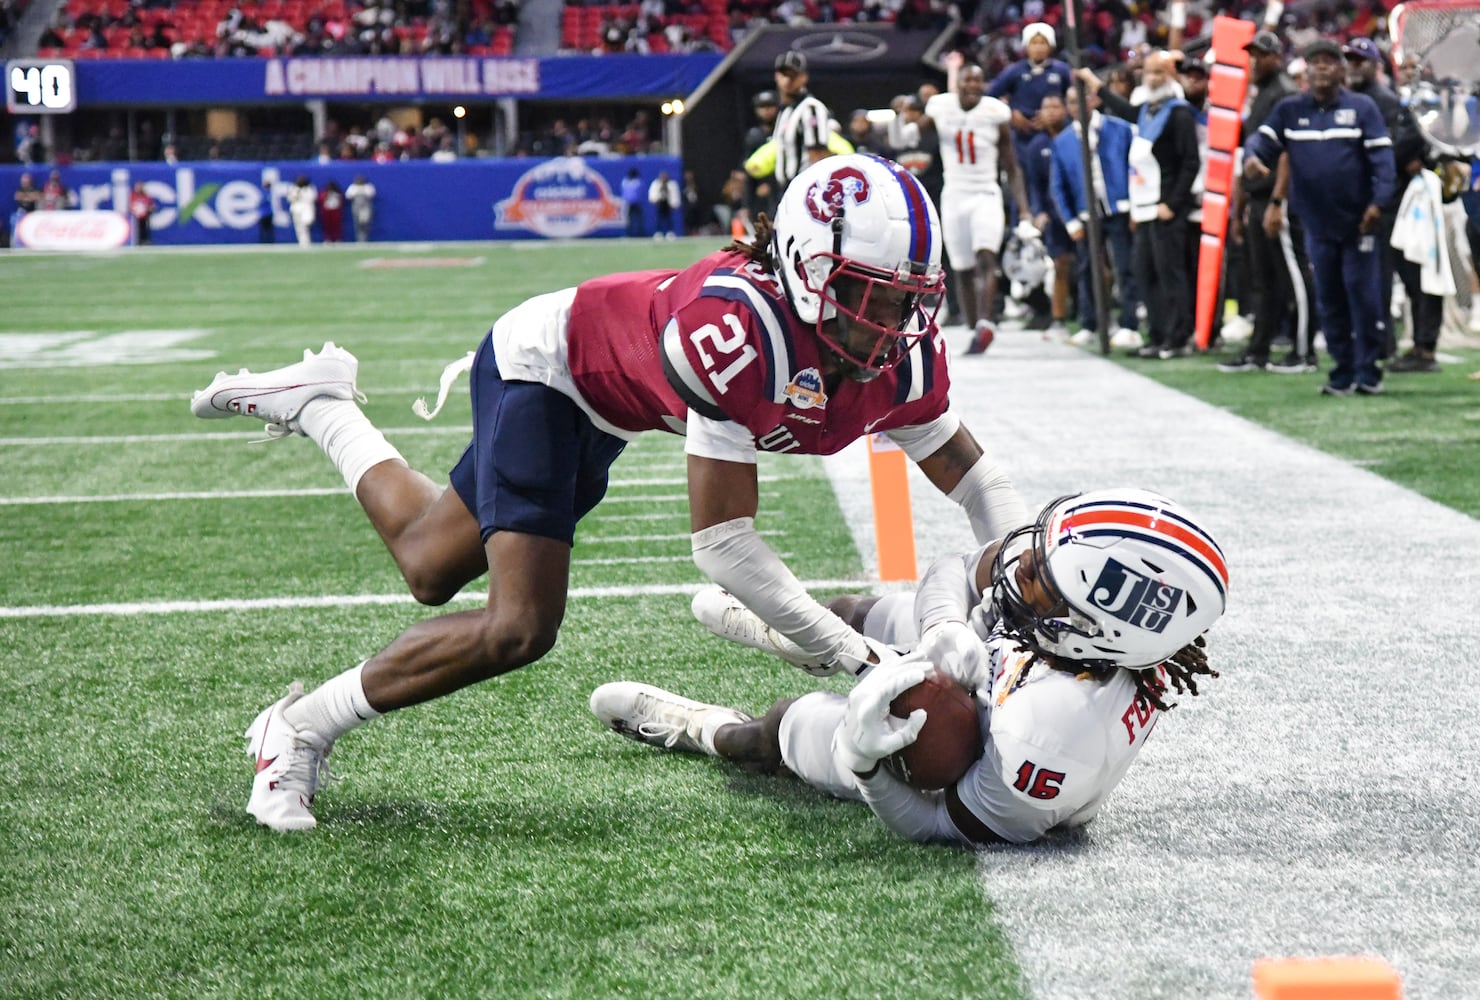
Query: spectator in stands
{"points": [[331, 212], [361, 195], [54, 194], [692, 216], [666, 199], [861, 134], [303, 200], [634, 197], [266, 221], [140, 208], [27, 199]]}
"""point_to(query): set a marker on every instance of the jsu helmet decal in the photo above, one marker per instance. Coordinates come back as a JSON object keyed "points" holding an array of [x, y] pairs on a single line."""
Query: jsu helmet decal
{"points": [[1133, 598]]}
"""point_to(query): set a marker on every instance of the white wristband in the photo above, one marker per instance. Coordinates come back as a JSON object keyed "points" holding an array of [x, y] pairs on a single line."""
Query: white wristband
{"points": [[1177, 14]]}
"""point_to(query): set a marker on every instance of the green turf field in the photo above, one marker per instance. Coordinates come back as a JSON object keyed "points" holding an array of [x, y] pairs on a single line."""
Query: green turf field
{"points": [[497, 843]]}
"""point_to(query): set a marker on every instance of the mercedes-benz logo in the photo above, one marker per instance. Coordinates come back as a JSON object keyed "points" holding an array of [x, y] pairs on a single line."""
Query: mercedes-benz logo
{"points": [[840, 46]]}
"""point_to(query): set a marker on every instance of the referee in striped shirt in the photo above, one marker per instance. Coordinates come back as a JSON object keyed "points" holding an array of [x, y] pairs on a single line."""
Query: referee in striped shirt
{"points": [[803, 126]]}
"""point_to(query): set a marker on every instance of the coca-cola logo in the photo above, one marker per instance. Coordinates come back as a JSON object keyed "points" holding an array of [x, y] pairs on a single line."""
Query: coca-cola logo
{"points": [[825, 199], [72, 231]]}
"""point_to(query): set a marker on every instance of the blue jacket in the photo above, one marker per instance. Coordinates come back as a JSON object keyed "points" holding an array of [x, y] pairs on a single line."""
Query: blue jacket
{"points": [[1067, 182], [1023, 89], [1341, 159]]}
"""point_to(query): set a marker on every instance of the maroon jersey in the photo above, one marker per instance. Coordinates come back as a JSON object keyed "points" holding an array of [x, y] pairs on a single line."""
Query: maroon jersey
{"points": [[720, 338]]}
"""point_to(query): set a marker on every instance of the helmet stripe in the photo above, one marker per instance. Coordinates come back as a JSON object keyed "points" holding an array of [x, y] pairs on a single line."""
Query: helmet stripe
{"points": [[919, 214], [1191, 543]]}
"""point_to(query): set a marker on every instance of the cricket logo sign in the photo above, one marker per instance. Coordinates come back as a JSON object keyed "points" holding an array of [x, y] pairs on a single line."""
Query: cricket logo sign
{"points": [[561, 198], [1135, 599]]}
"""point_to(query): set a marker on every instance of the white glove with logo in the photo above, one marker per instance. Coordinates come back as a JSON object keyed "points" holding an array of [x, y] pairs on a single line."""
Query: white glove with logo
{"points": [[869, 732], [1025, 231], [956, 649]]}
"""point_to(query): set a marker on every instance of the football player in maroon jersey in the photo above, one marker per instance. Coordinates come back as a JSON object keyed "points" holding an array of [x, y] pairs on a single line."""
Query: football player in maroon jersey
{"points": [[820, 332]]}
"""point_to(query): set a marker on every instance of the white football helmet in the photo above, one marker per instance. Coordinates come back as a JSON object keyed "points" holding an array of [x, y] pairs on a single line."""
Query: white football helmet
{"points": [[848, 228], [1025, 260], [1138, 578]]}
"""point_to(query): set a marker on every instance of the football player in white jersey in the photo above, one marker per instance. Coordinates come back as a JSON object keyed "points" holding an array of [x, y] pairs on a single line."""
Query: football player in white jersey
{"points": [[1069, 631], [975, 146]]}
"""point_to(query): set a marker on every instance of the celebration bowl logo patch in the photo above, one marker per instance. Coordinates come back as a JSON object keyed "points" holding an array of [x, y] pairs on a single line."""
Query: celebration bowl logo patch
{"points": [[825, 198], [560, 198], [1133, 598], [805, 389]]}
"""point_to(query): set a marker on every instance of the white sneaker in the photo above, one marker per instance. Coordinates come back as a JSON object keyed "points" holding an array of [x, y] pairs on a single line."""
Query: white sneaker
{"points": [[658, 718], [1127, 338], [1237, 327], [278, 396], [292, 765], [1056, 332], [1084, 337]]}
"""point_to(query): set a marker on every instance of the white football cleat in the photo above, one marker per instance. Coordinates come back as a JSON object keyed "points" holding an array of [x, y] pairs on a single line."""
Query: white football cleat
{"points": [[292, 764], [1127, 338], [278, 396], [658, 718], [1084, 337]]}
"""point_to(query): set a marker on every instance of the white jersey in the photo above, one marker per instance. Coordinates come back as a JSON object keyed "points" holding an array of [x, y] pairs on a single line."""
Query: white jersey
{"points": [[968, 140], [1056, 746]]}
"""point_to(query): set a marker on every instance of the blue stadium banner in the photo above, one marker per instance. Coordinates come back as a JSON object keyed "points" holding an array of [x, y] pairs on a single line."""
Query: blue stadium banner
{"points": [[488, 199], [385, 79]]}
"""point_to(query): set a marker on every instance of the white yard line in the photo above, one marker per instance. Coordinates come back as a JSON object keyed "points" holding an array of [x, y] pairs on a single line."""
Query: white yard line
{"points": [[178, 397], [130, 609], [1318, 798]]}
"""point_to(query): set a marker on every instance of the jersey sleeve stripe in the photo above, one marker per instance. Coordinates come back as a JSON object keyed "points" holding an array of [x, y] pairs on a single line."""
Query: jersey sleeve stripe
{"points": [[682, 377], [776, 345], [916, 373]]}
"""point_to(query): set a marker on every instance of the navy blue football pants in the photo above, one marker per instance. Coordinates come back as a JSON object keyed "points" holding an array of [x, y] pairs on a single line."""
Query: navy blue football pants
{"points": [[1348, 277]]}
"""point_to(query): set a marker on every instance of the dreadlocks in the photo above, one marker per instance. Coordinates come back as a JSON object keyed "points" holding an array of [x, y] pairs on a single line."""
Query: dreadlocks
{"points": [[759, 249], [1188, 663], [1184, 665]]}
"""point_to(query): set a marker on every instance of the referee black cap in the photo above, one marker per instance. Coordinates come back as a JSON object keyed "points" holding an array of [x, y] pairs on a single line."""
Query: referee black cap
{"points": [[791, 62]]}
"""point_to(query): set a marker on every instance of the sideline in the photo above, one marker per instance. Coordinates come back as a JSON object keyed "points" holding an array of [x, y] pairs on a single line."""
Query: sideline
{"points": [[1315, 799]]}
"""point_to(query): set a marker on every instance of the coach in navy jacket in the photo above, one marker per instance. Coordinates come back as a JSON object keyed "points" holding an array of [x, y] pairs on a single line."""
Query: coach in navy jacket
{"points": [[1341, 174]]}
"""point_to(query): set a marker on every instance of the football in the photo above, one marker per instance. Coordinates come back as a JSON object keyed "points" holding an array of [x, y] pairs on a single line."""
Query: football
{"points": [[950, 741]]}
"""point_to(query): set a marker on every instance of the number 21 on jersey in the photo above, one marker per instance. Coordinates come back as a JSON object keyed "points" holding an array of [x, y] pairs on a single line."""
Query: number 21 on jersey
{"points": [[723, 344]]}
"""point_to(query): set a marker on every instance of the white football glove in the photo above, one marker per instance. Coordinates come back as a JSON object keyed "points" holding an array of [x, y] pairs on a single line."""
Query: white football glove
{"points": [[1025, 231], [957, 650], [869, 732]]}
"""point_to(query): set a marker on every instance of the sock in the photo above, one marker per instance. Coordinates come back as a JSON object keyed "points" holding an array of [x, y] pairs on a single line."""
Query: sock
{"points": [[711, 723], [347, 436], [334, 707]]}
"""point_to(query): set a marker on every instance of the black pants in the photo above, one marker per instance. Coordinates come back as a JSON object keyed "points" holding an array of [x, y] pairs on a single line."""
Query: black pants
{"points": [[1390, 259], [1428, 310], [1166, 287], [1280, 269]]}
